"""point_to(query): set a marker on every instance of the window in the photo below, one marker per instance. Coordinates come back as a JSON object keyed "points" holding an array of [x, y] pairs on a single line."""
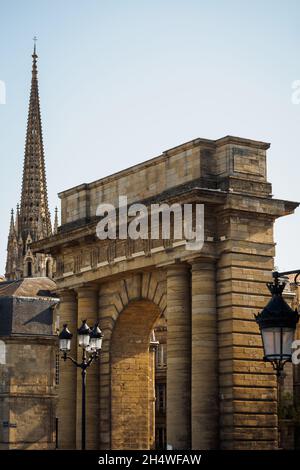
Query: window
{"points": [[29, 269], [160, 398], [48, 270], [161, 356], [160, 438]]}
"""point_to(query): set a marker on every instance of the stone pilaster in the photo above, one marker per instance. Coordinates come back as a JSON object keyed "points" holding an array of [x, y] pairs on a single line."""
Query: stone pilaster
{"points": [[179, 357], [248, 395], [88, 309], [66, 410], [107, 314], [204, 375]]}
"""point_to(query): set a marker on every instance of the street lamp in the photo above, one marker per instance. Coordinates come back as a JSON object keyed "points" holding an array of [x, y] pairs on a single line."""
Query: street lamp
{"points": [[91, 342], [65, 339], [84, 335], [96, 338], [277, 323]]}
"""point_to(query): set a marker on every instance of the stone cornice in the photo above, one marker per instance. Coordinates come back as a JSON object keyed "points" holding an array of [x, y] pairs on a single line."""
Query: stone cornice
{"points": [[198, 142], [87, 228]]}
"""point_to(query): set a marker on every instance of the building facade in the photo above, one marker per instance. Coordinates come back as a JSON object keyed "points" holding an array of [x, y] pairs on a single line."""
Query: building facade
{"points": [[28, 375], [32, 219], [219, 393]]}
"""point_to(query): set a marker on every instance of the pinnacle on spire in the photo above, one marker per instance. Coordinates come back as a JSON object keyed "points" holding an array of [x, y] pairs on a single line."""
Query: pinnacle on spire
{"points": [[55, 225], [12, 225], [34, 55], [11, 249], [34, 61], [34, 47], [17, 221]]}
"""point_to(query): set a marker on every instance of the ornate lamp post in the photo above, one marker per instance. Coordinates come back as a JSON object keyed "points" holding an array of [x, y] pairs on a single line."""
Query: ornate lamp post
{"points": [[91, 342], [277, 323]]}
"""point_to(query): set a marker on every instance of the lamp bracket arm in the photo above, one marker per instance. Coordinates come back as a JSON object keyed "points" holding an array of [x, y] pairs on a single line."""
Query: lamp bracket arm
{"points": [[277, 275], [91, 360], [72, 360]]}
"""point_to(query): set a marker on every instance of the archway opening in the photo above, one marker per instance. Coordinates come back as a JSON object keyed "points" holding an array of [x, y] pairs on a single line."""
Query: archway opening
{"points": [[160, 332], [29, 268], [132, 377], [48, 268]]}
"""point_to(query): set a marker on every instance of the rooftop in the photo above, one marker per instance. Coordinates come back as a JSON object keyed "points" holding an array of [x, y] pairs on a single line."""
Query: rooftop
{"points": [[39, 287]]}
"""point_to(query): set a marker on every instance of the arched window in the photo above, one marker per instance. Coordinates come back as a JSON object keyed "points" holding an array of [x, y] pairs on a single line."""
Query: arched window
{"points": [[29, 269], [48, 268]]}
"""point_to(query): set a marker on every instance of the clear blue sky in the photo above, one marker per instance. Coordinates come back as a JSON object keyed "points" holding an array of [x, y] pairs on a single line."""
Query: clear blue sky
{"points": [[121, 81]]}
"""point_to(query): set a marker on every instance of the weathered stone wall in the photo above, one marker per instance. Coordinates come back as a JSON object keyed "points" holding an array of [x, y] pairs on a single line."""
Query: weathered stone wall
{"points": [[197, 159], [219, 391], [28, 394], [247, 385]]}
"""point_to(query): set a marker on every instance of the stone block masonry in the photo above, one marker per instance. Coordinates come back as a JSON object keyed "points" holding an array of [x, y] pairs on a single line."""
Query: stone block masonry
{"points": [[220, 394]]}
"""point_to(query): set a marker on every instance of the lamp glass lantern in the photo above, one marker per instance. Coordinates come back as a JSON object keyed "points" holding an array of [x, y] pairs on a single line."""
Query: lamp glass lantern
{"points": [[277, 322], [65, 337], [277, 343], [84, 335], [96, 337]]}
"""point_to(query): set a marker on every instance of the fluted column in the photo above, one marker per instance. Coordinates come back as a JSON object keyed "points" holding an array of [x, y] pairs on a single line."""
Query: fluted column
{"points": [[152, 351], [204, 404], [66, 410], [179, 357], [88, 309]]}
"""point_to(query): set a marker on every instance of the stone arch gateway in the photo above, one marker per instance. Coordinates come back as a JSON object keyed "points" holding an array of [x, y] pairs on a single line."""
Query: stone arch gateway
{"points": [[220, 394], [131, 374]]}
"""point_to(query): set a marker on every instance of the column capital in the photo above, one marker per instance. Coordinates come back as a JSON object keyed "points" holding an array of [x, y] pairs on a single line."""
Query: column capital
{"points": [[177, 269], [203, 264], [87, 289], [67, 295]]}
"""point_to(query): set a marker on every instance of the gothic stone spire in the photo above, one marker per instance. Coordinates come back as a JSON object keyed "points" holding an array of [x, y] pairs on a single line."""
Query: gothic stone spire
{"points": [[34, 212], [33, 220]]}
